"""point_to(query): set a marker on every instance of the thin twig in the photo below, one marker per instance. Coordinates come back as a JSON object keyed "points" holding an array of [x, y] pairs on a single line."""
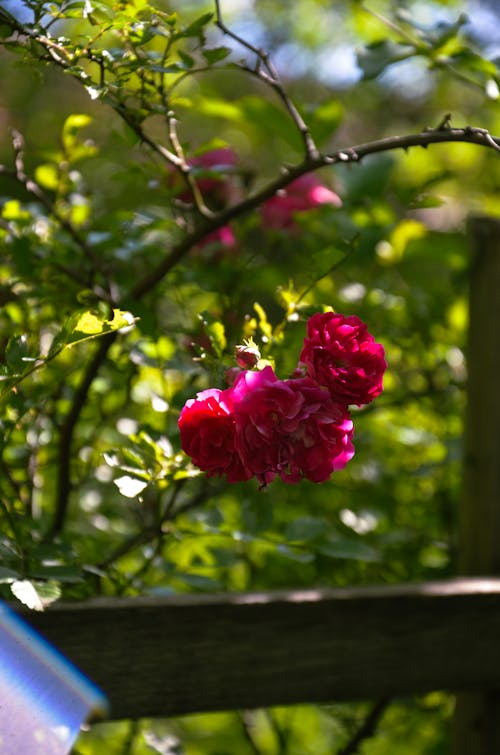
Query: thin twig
{"points": [[158, 529], [271, 77], [367, 728], [65, 445], [185, 169], [245, 718]]}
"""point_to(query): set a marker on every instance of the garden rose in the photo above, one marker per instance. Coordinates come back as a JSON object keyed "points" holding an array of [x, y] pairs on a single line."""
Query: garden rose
{"points": [[304, 193], [289, 428], [222, 237], [212, 171], [340, 354], [206, 426]]}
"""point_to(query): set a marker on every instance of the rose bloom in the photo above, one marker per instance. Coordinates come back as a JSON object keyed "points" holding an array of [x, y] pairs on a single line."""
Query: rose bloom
{"points": [[340, 354], [289, 428], [305, 193], [223, 237], [206, 426], [212, 171]]}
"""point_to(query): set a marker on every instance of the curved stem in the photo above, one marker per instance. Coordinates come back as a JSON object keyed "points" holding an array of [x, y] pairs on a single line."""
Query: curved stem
{"points": [[266, 71], [65, 446]]}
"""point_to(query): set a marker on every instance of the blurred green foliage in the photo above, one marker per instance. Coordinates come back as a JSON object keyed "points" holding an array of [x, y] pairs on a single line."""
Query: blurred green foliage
{"points": [[96, 497]]}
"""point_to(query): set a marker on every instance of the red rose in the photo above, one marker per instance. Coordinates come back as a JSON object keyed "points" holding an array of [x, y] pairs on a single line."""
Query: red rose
{"points": [[206, 425], [304, 193], [340, 354], [289, 428]]}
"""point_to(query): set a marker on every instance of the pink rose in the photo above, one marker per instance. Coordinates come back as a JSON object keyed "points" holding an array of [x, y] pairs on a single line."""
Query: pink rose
{"points": [[212, 171], [340, 354], [304, 193], [206, 426], [223, 237], [289, 428]]}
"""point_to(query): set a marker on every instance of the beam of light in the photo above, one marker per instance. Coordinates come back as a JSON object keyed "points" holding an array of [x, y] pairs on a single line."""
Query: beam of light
{"points": [[44, 699]]}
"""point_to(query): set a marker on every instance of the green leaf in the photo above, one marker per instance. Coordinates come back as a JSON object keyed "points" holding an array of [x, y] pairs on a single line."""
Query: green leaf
{"points": [[89, 324], [13, 210], [200, 582], [305, 528], [346, 548], [47, 176], [58, 572], [71, 128], [8, 575], [374, 58], [35, 595], [130, 487], [197, 27], [187, 60], [271, 119], [325, 120], [16, 353], [216, 54], [86, 324], [302, 557], [215, 331], [264, 324], [257, 516]]}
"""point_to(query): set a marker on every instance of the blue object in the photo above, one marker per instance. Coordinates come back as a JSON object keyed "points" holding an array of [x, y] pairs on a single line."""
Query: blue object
{"points": [[44, 699]]}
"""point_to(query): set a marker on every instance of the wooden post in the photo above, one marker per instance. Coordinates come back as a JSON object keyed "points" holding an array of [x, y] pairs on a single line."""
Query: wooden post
{"points": [[476, 725]]}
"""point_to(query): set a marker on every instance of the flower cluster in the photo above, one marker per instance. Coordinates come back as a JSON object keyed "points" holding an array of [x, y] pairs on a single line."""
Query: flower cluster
{"points": [[297, 428], [215, 172]]}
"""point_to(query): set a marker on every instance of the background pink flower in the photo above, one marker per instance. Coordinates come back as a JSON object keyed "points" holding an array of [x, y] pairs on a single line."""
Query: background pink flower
{"points": [[223, 237], [340, 354], [206, 426], [304, 193], [289, 428], [212, 171]]}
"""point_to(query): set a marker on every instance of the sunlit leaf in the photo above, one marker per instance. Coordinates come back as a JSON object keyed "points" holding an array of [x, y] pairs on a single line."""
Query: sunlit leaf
{"points": [[130, 487]]}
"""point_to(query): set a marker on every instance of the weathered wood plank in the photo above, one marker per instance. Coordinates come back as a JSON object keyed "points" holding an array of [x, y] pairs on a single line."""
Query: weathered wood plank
{"points": [[202, 653]]}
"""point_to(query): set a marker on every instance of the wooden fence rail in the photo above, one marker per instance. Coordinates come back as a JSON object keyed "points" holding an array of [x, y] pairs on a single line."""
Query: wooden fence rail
{"points": [[195, 653]]}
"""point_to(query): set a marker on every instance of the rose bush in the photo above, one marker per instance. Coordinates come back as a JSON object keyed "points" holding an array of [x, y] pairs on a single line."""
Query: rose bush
{"points": [[340, 354]]}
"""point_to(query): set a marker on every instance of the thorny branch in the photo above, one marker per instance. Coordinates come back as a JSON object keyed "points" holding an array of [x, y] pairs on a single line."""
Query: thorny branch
{"points": [[266, 71], [353, 154]]}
